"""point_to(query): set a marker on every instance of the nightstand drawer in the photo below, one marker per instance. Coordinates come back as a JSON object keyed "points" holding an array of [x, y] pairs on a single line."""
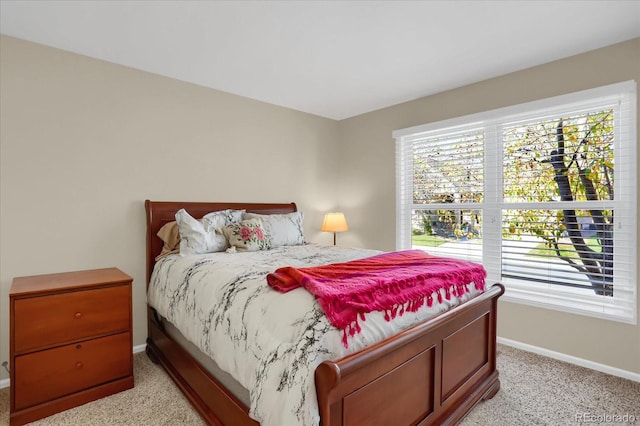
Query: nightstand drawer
{"points": [[66, 317], [45, 375]]}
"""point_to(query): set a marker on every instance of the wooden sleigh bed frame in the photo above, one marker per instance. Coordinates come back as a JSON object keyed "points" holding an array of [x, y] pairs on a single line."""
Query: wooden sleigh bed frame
{"points": [[432, 373]]}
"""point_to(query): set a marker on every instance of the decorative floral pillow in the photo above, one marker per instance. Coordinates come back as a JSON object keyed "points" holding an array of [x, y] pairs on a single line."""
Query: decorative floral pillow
{"points": [[201, 236], [247, 235], [283, 229]]}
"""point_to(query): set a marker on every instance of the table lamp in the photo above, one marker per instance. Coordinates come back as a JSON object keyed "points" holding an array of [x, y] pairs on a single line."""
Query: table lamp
{"points": [[334, 222]]}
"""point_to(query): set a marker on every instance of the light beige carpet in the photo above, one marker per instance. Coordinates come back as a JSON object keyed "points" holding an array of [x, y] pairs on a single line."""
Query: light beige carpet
{"points": [[535, 391], [153, 401]]}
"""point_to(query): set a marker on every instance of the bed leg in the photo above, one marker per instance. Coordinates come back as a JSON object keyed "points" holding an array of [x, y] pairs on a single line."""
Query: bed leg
{"points": [[152, 356]]}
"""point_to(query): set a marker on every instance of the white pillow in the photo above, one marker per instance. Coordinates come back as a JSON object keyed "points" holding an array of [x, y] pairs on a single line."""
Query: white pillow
{"points": [[201, 236], [283, 229], [230, 215]]}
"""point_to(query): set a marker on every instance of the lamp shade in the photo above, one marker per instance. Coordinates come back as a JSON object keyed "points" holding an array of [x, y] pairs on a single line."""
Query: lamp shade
{"points": [[334, 222]]}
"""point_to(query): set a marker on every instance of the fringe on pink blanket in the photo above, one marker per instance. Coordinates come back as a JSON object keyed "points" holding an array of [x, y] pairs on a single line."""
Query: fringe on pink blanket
{"points": [[393, 283]]}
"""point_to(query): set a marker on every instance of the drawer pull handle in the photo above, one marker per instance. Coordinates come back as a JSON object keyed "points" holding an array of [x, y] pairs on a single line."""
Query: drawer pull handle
{"points": [[78, 314], [78, 346], [78, 365]]}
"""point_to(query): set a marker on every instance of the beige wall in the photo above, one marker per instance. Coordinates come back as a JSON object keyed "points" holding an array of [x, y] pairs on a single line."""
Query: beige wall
{"points": [[367, 187], [83, 143]]}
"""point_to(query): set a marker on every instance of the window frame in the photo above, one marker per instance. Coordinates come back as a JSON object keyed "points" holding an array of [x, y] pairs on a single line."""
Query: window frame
{"points": [[623, 94]]}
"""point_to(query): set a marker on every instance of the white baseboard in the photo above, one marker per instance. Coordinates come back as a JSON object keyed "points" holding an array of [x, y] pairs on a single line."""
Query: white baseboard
{"points": [[571, 359], [4, 383], [139, 348]]}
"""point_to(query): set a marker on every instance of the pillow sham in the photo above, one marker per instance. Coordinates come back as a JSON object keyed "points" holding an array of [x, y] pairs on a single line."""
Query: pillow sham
{"points": [[247, 235], [230, 215], [201, 236], [282, 229], [170, 235]]}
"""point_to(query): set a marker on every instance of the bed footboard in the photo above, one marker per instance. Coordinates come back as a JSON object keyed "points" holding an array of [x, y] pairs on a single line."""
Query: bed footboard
{"points": [[436, 371]]}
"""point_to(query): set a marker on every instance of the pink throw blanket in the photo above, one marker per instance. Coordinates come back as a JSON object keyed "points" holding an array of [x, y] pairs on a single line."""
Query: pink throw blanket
{"points": [[392, 282]]}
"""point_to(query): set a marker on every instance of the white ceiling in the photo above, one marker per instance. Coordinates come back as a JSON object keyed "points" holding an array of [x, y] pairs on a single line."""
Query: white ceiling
{"points": [[336, 59]]}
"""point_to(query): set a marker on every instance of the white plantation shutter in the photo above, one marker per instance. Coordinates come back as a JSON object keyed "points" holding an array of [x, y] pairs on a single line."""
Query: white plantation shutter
{"points": [[447, 185], [489, 188]]}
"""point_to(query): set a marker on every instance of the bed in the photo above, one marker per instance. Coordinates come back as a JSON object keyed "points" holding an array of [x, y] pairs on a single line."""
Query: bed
{"points": [[453, 355]]}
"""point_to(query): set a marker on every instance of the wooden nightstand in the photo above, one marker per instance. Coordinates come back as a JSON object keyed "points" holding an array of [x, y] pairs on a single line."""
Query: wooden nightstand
{"points": [[70, 340]]}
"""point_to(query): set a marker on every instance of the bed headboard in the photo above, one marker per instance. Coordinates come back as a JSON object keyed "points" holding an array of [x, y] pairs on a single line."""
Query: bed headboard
{"points": [[162, 212]]}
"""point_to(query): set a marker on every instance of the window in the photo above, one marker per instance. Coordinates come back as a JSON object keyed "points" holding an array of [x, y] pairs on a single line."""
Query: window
{"points": [[543, 194]]}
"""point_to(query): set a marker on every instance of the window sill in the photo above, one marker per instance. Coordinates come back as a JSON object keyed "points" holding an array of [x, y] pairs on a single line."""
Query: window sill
{"points": [[573, 301]]}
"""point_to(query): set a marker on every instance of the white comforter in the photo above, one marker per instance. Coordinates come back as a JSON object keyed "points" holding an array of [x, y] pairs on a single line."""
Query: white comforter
{"points": [[270, 342]]}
